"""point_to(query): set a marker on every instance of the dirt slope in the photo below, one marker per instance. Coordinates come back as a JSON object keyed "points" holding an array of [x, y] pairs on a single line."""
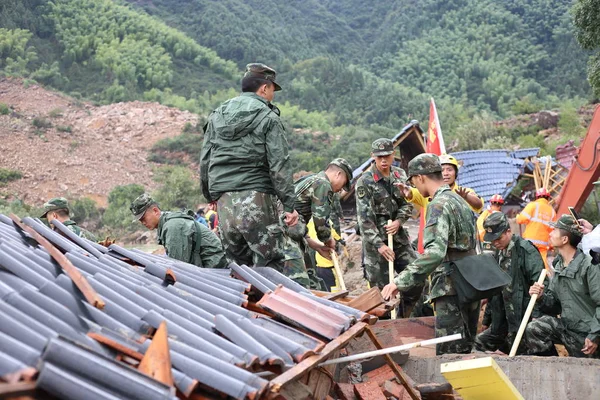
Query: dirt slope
{"points": [[107, 145]]}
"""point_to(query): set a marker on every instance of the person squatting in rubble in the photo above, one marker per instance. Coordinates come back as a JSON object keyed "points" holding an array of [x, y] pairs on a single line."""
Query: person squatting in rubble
{"points": [[184, 238], [449, 235], [58, 209], [378, 200], [522, 261], [573, 293], [245, 167]]}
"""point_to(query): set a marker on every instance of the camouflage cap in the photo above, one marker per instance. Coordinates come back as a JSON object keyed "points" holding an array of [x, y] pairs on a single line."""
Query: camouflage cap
{"points": [[345, 166], [57, 203], [262, 71], [423, 164], [139, 206], [567, 223], [382, 147], [495, 225]]}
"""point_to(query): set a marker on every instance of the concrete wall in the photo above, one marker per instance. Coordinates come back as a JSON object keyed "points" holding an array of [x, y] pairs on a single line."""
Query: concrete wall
{"points": [[537, 378]]}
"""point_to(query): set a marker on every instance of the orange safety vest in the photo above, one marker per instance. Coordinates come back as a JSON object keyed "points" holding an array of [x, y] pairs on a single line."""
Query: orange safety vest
{"points": [[537, 215]]}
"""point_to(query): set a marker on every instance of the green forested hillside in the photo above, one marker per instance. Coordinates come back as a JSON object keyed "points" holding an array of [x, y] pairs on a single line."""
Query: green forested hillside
{"points": [[351, 69]]}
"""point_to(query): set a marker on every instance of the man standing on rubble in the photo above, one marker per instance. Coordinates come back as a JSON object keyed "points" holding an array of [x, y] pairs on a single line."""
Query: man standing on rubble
{"points": [[245, 167], [58, 209], [504, 312], [378, 200], [450, 173], [574, 293], [537, 217], [184, 238], [449, 235]]}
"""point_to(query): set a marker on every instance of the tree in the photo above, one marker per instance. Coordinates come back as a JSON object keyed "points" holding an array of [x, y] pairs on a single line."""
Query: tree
{"points": [[586, 17]]}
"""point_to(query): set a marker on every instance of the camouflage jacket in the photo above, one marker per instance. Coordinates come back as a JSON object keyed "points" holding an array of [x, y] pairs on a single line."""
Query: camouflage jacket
{"points": [[314, 198], [245, 148], [189, 241], [337, 213], [574, 293], [449, 225], [79, 231], [377, 201], [523, 262]]}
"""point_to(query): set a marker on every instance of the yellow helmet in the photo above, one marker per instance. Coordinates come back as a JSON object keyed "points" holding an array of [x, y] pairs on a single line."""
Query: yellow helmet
{"points": [[448, 159]]}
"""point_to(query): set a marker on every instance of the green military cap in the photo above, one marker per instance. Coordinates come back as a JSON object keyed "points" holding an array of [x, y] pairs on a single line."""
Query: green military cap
{"points": [[262, 71], [139, 206], [424, 164], [567, 223], [495, 225], [345, 166], [382, 147], [57, 203]]}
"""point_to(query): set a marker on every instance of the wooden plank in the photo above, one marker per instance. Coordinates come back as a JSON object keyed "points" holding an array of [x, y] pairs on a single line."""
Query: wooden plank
{"points": [[311, 362], [16, 389], [480, 378], [156, 362], [368, 300], [336, 295], [78, 279]]}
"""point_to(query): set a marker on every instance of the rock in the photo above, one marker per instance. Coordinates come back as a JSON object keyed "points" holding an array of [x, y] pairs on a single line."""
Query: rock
{"points": [[547, 119]]}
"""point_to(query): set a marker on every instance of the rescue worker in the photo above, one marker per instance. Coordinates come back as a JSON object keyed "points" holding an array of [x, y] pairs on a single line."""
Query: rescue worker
{"points": [[496, 203], [574, 293], [212, 219], [325, 267], [504, 312], [315, 197], [450, 173], [58, 209], [537, 217], [378, 200], [245, 167], [183, 238], [449, 235]]}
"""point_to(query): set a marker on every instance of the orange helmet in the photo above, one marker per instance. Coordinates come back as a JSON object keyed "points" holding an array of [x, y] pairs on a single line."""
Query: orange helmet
{"points": [[497, 199], [541, 192]]}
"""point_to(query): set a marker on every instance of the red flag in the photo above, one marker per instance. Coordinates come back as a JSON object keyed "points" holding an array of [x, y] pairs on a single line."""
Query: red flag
{"points": [[435, 145]]}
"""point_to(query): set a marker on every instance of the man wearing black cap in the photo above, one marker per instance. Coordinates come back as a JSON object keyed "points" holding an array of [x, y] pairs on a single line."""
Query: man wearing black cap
{"points": [[520, 259], [245, 167], [574, 293]]}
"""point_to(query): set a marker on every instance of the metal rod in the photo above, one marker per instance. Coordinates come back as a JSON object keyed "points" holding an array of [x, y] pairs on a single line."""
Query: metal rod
{"points": [[391, 267], [395, 349]]}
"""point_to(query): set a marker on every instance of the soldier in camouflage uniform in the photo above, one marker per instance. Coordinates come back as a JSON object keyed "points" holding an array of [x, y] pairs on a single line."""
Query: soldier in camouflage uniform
{"points": [[58, 209], [314, 200], [379, 200], [245, 166], [449, 235], [184, 238], [574, 293], [337, 214], [520, 259]]}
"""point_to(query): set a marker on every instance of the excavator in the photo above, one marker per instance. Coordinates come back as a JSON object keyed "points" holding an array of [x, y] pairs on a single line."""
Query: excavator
{"points": [[584, 172]]}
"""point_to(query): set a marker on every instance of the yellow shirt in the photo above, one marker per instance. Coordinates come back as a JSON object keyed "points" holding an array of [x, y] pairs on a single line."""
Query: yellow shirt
{"points": [[312, 233], [421, 201], [481, 231]]}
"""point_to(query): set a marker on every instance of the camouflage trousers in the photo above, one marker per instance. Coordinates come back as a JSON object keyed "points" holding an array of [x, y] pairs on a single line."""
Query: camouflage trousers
{"points": [[293, 266], [377, 273], [543, 333], [250, 229], [501, 340], [452, 317]]}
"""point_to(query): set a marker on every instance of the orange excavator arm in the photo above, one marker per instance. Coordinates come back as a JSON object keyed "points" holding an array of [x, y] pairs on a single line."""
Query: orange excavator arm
{"points": [[584, 172]]}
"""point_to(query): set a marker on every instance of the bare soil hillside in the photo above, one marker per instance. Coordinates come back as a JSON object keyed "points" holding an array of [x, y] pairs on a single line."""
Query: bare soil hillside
{"points": [[64, 147]]}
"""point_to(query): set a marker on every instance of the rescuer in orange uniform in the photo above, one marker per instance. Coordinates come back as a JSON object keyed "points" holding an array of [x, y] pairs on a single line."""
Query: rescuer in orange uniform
{"points": [[537, 216], [496, 203]]}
